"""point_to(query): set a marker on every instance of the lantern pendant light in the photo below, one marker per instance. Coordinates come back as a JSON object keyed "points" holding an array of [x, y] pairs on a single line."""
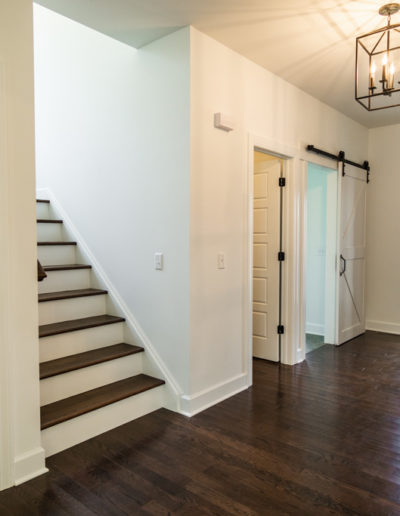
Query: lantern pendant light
{"points": [[377, 83]]}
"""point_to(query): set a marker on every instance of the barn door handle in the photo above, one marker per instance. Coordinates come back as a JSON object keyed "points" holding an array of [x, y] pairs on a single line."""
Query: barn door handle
{"points": [[343, 260]]}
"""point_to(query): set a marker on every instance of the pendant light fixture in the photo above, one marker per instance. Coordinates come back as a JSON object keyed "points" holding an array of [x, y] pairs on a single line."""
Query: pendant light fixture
{"points": [[377, 78]]}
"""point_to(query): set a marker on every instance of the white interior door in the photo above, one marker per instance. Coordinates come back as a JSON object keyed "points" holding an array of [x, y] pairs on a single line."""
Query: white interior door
{"points": [[351, 260], [265, 259]]}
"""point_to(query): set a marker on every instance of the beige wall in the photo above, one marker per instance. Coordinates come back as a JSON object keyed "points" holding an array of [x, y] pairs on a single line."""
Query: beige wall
{"points": [[383, 231], [21, 455]]}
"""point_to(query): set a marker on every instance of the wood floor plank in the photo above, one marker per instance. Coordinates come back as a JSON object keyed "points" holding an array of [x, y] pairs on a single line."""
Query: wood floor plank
{"points": [[74, 406], [67, 267], [86, 359], [49, 221], [56, 243], [70, 294], [46, 330], [319, 438]]}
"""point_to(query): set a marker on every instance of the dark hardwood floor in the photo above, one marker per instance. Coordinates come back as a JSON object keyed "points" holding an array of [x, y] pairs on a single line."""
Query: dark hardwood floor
{"points": [[319, 438]]}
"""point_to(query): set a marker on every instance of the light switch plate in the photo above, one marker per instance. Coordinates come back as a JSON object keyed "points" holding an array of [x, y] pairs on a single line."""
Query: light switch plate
{"points": [[221, 261]]}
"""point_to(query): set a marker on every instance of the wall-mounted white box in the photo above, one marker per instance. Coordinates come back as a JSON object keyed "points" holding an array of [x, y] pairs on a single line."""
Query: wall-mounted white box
{"points": [[224, 122]]}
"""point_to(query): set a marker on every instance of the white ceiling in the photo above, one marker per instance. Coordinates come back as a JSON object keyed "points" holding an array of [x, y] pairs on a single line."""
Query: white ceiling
{"points": [[310, 43]]}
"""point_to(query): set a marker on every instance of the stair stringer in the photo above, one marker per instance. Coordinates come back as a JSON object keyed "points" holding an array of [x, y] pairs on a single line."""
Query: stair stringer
{"points": [[153, 365]]}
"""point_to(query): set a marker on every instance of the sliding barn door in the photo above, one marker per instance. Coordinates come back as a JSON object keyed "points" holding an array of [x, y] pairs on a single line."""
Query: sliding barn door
{"points": [[351, 261], [266, 245]]}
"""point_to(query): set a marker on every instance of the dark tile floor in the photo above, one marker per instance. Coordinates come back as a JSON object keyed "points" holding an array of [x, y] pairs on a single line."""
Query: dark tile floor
{"points": [[322, 437]]}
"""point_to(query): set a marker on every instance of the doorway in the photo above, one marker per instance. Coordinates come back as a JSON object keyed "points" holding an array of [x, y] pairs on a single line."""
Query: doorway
{"points": [[321, 256], [267, 251]]}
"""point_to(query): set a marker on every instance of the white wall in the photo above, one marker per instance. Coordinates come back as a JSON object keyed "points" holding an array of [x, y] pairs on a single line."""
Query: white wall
{"points": [[21, 455], [264, 105], [383, 242], [112, 141], [117, 127]]}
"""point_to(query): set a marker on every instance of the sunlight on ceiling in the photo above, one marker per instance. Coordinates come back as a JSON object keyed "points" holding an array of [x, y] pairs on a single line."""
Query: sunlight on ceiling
{"points": [[310, 43]]}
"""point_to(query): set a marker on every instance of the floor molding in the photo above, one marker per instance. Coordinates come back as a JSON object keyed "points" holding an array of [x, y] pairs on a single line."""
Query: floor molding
{"points": [[192, 405], [386, 327], [29, 465], [315, 329]]}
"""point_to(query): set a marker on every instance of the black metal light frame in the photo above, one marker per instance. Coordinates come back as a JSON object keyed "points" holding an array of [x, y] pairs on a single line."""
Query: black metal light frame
{"points": [[365, 100]]}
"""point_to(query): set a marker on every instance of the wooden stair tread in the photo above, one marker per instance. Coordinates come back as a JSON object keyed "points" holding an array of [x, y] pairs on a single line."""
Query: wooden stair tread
{"points": [[75, 406], [46, 330], [56, 243], [70, 294], [49, 221], [43, 200], [86, 359], [66, 267]]}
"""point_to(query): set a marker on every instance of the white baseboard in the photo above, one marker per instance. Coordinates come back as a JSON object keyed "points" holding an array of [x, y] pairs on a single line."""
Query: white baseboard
{"points": [[315, 329], [29, 465], [386, 327], [192, 405]]}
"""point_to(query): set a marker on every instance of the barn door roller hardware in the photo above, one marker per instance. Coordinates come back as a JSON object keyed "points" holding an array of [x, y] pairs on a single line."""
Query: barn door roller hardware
{"points": [[341, 157]]}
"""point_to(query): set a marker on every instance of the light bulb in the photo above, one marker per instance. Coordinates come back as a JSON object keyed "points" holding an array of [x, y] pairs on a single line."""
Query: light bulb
{"points": [[384, 59], [391, 76], [373, 68]]}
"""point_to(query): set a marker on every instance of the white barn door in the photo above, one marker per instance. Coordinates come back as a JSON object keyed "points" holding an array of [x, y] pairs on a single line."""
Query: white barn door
{"points": [[266, 245], [351, 260]]}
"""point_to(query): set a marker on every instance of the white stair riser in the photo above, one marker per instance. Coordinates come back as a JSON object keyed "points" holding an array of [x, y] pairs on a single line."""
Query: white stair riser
{"points": [[57, 281], [73, 342], [56, 254], [68, 309], [68, 384], [82, 428], [42, 210], [48, 232]]}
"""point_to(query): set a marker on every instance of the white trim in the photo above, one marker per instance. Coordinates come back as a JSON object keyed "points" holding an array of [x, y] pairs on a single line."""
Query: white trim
{"points": [[29, 465], [273, 146], [332, 208], [383, 326], [192, 405], [173, 388], [303, 180], [6, 354], [315, 329], [292, 241]]}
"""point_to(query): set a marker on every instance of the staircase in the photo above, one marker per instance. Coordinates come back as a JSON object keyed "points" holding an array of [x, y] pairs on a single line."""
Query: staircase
{"points": [[91, 379]]}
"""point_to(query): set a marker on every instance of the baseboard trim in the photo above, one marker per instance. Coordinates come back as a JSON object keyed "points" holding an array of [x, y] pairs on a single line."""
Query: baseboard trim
{"points": [[192, 405], [386, 327], [29, 465], [315, 329]]}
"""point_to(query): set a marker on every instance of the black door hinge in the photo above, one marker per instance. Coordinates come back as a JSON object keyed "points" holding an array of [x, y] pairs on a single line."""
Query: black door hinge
{"points": [[281, 256], [281, 329], [282, 181]]}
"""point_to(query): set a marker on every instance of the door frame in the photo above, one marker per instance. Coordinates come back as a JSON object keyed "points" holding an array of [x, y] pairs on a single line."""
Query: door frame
{"points": [[291, 244], [328, 165]]}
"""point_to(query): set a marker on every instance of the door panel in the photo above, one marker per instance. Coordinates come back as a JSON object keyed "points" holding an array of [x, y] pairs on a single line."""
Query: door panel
{"points": [[265, 259], [351, 264]]}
